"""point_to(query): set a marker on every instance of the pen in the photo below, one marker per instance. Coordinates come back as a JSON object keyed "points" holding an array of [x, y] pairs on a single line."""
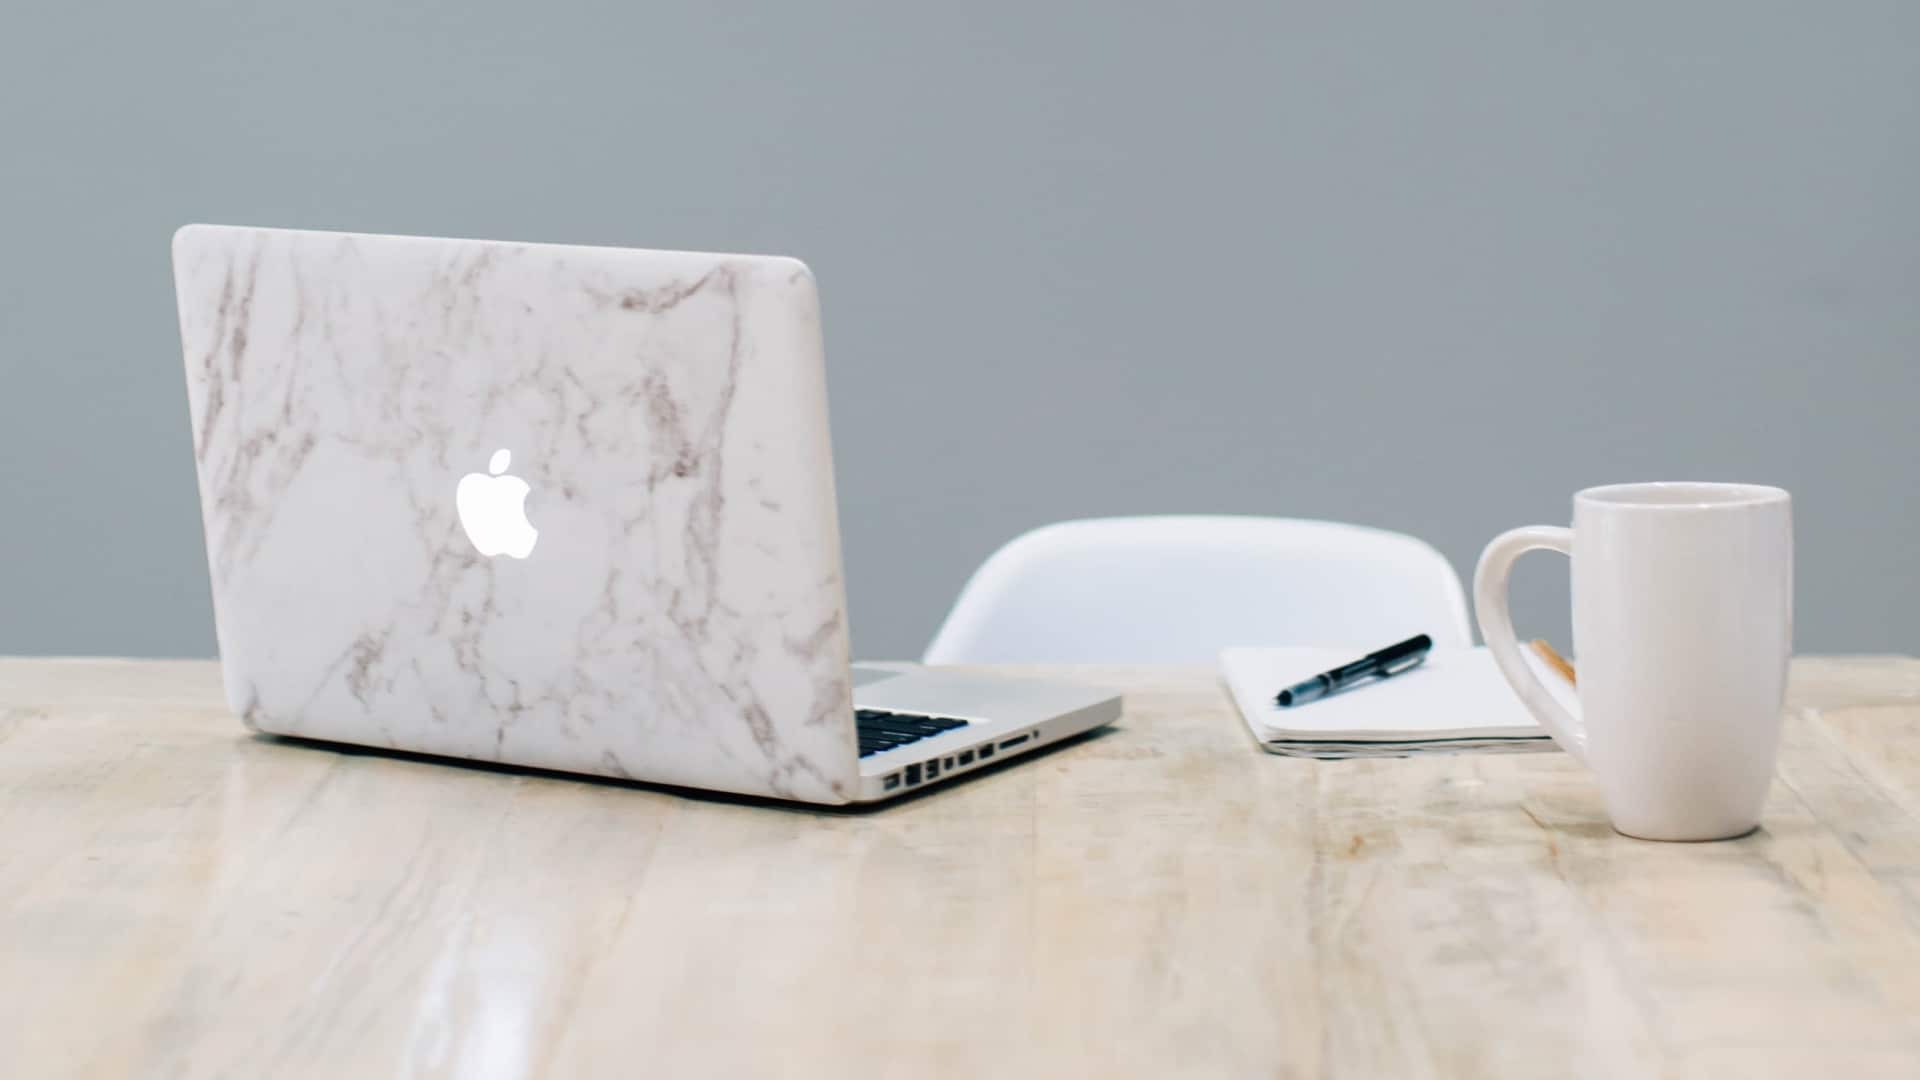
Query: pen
{"points": [[1391, 660]]}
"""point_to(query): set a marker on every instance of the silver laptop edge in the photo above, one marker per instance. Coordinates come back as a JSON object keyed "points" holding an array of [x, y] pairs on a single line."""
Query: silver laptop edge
{"points": [[1005, 718]]}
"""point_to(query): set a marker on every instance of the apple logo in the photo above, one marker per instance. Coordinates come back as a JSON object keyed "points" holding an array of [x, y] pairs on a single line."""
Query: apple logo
{"points": [[493, 510]]}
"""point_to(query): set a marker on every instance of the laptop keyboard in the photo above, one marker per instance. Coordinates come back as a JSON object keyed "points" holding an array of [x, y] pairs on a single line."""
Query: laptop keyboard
{"points": [[880, 731]]}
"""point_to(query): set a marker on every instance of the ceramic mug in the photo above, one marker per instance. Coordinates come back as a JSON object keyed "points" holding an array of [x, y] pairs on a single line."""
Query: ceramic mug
{"points": [[1682, 627]]}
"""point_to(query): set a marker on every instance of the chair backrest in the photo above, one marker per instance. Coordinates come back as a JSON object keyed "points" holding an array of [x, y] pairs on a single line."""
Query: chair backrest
{"points": [[1180, 589]]}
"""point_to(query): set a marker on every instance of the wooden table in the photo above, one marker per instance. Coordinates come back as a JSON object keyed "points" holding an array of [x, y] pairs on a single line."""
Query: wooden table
{"points": [[178, 897]]}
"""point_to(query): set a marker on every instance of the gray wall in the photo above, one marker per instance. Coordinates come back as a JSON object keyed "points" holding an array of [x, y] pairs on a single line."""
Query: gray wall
{"points": [[1425, 266]]}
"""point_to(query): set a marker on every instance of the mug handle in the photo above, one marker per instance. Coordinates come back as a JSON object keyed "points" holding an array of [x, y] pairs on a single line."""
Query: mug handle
{"points": [[1490, 582]]}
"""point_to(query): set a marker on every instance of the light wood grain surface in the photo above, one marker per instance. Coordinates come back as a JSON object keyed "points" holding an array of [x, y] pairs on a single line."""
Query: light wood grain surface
{"points": [[181, 898]]}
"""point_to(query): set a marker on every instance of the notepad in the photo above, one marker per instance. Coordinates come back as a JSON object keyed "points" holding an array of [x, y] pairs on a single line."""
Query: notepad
{"points": [[1456, 701]]}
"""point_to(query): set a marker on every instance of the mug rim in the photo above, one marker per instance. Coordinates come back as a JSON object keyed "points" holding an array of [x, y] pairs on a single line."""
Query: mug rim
{"points": [[1681, 495]]}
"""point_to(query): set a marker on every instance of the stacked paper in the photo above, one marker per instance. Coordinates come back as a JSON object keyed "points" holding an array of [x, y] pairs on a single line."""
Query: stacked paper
{"points": [[1457, 700]]}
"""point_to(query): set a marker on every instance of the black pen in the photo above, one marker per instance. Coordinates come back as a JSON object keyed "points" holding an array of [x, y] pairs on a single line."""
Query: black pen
{"points": [[1391, 660]]}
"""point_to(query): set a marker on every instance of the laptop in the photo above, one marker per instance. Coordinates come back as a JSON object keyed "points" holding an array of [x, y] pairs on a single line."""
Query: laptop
{"points": [[562, 507]]}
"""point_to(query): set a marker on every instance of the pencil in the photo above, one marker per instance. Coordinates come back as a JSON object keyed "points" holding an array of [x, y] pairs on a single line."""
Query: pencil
{"points": [[1554, 660]]}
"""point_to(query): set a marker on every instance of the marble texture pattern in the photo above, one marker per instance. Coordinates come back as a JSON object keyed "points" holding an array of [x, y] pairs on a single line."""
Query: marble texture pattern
{"points": [[681, 618]]}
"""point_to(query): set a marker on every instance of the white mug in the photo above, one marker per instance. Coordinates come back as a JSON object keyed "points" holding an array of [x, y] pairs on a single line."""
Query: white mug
{"points": [[1682, 628]]}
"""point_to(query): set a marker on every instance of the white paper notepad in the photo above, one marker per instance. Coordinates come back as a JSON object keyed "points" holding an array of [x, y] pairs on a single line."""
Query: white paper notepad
{"points": [[1456, 700]]}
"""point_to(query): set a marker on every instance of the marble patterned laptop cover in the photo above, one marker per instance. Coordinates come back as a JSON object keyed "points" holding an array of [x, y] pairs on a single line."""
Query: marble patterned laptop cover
{"points": [[371, 416]]}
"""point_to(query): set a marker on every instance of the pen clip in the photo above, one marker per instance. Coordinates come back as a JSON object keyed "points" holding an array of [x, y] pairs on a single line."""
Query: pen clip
{"points": [[1403, 664]]}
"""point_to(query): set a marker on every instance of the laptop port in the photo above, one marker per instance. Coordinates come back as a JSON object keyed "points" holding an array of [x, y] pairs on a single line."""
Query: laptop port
{"points": [[913, 775], [949, 764], [1015, 741], [933, 770], [890, 782], [966, 757], [986, 752]]}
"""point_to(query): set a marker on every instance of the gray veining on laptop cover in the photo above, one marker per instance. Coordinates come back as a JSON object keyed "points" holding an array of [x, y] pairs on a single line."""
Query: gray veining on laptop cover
{"points": [[559, 506]]}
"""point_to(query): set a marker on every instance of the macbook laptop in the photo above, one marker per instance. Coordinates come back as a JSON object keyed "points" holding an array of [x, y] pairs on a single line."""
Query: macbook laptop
{"points": [[561, 507]]}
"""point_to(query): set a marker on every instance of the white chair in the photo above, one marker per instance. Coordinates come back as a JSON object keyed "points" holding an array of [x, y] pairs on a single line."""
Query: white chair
{"points": [[1179, 589]]}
